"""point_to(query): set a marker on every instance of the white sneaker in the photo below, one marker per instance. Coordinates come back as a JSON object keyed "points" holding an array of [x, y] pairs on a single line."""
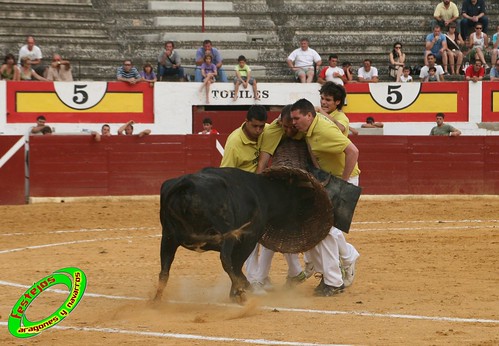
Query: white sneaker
{"points": [[349, 274], [257, 289], [309, 269], [267, 284]]}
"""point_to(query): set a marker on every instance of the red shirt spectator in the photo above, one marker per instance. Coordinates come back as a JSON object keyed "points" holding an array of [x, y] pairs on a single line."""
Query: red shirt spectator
{"points": [[475, 72]]}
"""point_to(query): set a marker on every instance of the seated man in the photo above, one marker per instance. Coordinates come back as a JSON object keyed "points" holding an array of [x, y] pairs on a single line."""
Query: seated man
{"points": [[208, 49], [332, 73], [445, 13], [431, 63], [473, 12], [368, 73], [436, 44], [59, 70], [494, 72], [169, 63], [302, 61]]}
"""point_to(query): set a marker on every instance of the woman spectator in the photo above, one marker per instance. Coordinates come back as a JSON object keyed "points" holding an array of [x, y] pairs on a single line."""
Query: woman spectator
{"points": [[148, 74], [27, 73], [478, 43], [9, 69], [397, 61], [454, 44]]}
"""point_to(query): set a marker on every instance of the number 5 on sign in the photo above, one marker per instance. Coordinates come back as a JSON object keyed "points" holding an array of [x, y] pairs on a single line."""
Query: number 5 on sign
{"points": [[80, 95], [394, 96]]}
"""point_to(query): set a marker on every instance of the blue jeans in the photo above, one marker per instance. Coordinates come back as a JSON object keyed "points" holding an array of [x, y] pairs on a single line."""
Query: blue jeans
{"points": [[170, 71], [468, 25], [198, 77]]}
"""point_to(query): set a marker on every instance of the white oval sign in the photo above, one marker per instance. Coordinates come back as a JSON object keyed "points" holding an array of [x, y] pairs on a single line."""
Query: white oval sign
{"points": [[394, 96], [80, 95]]}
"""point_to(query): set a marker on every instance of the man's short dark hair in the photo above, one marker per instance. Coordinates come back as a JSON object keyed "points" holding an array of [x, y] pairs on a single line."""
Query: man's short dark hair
{"points": [[207, 121], [440, 115], [368, 60], [332, 56], [369, 120], [41, 117], [206, 42], [304, 106], [257, 112], [173, 44], [431, 54], [105, 125], [46, 130], [336, 91], [241, 58], [286, 112], [346, 63]]}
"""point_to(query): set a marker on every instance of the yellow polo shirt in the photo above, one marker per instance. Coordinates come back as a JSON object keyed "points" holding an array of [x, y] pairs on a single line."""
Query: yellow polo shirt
{"points": [[340, 117], [327, 144], [241, 152]]}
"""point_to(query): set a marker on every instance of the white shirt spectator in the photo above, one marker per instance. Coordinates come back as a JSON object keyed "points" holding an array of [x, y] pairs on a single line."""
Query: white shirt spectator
{"points": [[329, 75], [35, 53], [304, 58], [403, 79], [373, 72]]}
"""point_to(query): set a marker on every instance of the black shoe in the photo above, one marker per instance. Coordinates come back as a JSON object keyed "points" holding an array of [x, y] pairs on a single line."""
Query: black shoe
{"points": [[320, 286], [328, 291]]}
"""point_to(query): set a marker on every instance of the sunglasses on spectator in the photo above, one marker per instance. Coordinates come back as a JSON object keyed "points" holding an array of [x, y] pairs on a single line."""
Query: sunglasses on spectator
{"points": [[480, 28], [127, 64], [398, 47]]}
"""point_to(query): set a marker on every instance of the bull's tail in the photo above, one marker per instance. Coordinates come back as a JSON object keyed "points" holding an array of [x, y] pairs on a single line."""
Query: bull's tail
{"points": [[217, 238]]}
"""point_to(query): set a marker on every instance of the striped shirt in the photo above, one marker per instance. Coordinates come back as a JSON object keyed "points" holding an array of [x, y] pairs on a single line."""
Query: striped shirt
{"points": [[133, 73]]}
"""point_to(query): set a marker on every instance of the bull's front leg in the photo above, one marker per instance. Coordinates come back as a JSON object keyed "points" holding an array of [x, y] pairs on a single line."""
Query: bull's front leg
{"points": [[168, 249]]}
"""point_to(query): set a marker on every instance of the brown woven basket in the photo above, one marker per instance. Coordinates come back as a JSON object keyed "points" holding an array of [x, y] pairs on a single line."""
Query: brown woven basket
{"points": [[309, 221]]}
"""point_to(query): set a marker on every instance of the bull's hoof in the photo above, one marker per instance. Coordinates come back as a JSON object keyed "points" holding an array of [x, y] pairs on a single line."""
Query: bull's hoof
{"points": [[239, 297]]}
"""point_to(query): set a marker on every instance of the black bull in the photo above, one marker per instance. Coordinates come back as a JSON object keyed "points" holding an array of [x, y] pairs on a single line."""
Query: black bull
{"points": [[227, 210]]}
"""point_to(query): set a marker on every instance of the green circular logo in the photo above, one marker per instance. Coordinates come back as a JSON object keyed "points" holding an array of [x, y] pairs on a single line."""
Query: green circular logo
{"points": [[73, 278]]}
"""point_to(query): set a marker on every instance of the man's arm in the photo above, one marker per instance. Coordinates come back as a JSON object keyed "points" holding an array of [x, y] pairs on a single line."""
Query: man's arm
{"points": [[454, 132], [263, 161], [351, 157], [122, 127], [37, 129], [145, 133]]}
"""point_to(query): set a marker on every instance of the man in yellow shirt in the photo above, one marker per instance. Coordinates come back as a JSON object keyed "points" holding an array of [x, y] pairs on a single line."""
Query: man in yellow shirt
{"points": [[337, 155]]}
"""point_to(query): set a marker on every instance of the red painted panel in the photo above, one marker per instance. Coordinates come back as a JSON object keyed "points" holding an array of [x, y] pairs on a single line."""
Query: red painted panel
{"points": [[225, 120], [488, 90], [12, 190]]}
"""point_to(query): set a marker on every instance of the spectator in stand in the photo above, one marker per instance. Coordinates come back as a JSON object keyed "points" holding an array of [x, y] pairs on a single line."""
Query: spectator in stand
{"points": [[147, 74], [27, 73], [475, 72], [473, 12], [371, 124], [444, 129], [128, 73], [208, 128], [128, 128], [431, 63], [243, 76], [40, 124], [368, 73], [169, 63], [332, 73], [406, 75], [105, 132], [454, 44], [208, 48], [494, 72], [302, 61], [445, 13], [478, 43], [59, 70], [436, 44], [9, 70], [397, 61], [46, 130], [495, 49], [347, 68], [34, 53], [209, 73], [432, 75]]}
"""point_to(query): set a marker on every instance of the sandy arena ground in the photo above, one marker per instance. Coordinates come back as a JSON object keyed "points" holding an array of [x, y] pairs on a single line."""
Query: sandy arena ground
{"points": [[428, 275]]}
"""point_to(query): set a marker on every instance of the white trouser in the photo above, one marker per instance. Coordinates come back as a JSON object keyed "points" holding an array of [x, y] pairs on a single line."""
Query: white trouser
{"points": [[326, 255], [258, 266]]}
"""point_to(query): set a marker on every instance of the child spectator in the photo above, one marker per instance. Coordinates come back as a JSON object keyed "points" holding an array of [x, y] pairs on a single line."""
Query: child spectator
{"points": [[406, 75], [208, 128], [243, 76], [209, 73], [432, 75], [148, 74]]}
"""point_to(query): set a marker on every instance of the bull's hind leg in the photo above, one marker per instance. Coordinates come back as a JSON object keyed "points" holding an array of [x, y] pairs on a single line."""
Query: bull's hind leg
{"points": [[168, 249]]}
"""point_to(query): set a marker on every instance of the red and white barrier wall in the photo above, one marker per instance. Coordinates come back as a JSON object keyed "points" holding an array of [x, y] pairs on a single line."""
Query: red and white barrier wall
{"points": [[169, 108]]}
